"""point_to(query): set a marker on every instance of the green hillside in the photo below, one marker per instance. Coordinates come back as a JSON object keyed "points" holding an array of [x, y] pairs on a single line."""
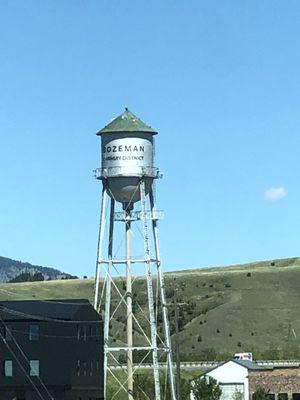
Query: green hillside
{"points": [[251, 307]]}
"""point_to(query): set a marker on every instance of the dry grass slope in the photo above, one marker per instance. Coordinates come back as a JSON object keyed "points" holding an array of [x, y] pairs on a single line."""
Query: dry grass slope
{"points": [[250, 307]]}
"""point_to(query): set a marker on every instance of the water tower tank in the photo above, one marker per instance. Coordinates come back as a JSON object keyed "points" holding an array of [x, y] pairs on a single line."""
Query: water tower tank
{"points": [[127, 156]]}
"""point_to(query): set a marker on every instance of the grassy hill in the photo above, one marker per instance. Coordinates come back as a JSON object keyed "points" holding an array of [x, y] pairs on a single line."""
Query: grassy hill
{"points": [[251, 307]]}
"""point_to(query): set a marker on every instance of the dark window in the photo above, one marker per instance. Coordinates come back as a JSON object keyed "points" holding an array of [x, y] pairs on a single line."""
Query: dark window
{"points": [[84, 368], [8, 368], [34, 368], [78, 368], [34, 332], [270, 396], [282, 396], [296, 396], [8, 333], [97, 333], [82, 332]]}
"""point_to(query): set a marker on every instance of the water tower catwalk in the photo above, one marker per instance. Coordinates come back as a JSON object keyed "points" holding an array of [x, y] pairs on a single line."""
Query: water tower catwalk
{"points": [[132, 300]]}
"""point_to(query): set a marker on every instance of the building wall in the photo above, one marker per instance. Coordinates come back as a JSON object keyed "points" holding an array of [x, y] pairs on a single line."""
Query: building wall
{"points": [[278, 380], [71, 360]]}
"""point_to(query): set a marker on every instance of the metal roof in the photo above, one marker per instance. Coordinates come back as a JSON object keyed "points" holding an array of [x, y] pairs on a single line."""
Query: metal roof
{"points": [[248, 364], [67, 310], [126, 122]]}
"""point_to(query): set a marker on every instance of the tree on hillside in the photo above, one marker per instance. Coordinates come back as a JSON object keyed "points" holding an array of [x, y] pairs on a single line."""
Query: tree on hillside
{"points": [[28, 277], [260, 394], [206, 388]]}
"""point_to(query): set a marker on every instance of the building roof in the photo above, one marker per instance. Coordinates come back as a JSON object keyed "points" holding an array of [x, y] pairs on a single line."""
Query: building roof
{"points": [[47, 310], [250, 365], [126, 122]]}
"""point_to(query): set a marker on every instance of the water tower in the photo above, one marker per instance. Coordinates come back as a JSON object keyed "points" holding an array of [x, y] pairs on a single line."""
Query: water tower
{"points": [[128, 173]]}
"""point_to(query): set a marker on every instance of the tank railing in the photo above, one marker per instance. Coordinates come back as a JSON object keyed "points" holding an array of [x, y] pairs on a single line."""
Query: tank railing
{"points": [[138, 215], [127, 171]]}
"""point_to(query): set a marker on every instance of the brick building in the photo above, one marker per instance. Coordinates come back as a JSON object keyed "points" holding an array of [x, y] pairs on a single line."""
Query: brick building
{"points": [[282, 383]]}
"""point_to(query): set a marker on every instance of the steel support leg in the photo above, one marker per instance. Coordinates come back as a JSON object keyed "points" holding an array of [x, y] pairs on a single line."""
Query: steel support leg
{"points": [[153, 326], [99, 247], [108, 291], [160, 282]]}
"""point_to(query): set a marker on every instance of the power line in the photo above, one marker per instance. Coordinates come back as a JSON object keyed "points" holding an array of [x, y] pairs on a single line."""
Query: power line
{"points": [[54, 336], [41, 318], [21, 366], [26, 359]]}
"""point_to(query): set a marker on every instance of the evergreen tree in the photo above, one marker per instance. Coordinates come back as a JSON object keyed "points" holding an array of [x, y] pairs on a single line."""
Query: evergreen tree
{"points": [[206, 388], [260, 394]]}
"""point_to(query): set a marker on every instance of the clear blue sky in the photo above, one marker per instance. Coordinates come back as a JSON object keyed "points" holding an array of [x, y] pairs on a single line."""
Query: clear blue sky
{"points": [[220, 82]]}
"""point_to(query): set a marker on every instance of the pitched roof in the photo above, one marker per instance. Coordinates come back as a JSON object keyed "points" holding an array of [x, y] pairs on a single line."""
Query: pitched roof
{"points": [[248, 364], [67, 310], [126, 122]]}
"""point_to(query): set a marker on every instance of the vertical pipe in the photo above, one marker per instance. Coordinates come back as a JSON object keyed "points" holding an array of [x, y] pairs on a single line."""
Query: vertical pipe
{"points": [[108, 291], [160, 282], [129, 306], [99, 248]]}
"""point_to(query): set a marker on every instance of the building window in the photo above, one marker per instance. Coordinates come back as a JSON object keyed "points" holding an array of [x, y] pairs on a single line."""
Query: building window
{"points": [[34, 332], [8, 368], [81, 332], [97, 333], [84, 368], [296, 396], [270, 396], [282, 396], [8, 333], [34, 368]]}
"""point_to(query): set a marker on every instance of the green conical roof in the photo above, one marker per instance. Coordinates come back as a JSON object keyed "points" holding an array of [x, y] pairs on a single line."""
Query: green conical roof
{"points": [[126, 122]]}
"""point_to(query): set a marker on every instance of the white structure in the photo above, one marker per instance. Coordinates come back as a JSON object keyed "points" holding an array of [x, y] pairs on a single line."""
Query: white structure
{"points": [[232, 377]]}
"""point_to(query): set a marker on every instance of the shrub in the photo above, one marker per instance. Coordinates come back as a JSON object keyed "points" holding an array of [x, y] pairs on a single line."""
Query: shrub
{"points": [[206, 389], [260, 394]]}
